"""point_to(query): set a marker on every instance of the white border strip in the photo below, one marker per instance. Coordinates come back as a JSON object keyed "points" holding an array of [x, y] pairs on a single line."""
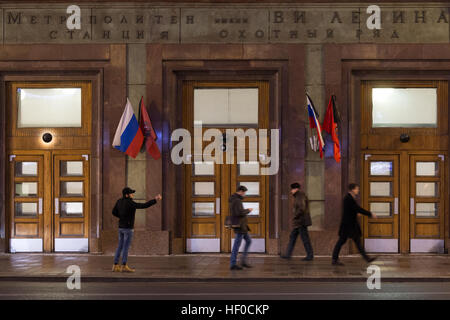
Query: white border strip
{"points": [[427, 245], [71, 245], [203, 245], [381, 245], [26, 245]]}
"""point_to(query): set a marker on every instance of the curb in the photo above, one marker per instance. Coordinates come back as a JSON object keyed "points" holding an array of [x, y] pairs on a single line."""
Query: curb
{"points": [[172, 280]]}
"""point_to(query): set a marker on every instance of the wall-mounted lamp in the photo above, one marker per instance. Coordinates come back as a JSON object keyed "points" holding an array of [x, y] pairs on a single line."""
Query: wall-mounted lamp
{"points": [[47, 137]]}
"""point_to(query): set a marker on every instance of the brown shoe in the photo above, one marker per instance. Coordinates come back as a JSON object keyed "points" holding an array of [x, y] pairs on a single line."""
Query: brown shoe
{"points": [[126, 268], [116, 268]]}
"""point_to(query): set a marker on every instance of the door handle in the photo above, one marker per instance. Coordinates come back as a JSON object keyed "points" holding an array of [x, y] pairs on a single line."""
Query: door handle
{"points": [[56, 205], [40, 205], [411, 205], [395, 205], [217, 205]]}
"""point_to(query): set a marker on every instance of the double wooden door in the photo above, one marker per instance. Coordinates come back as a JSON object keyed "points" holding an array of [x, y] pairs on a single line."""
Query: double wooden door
{"points": [[48, 201], [407, 191]]}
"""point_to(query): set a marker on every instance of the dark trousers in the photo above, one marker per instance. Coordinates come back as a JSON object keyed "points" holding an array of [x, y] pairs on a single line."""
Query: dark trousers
{"points": [[341, 242], [303, 231]]}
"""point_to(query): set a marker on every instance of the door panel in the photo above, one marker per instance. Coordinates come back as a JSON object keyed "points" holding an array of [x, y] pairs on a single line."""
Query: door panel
{"points": [[26, 203], [381, 196], [71, 202], [427, 206]]}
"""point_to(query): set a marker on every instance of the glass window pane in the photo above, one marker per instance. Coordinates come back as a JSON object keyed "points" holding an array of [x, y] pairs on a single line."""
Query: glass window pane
{"points": [[71, 168], [26, 169], [253, 187], [426, 209], [381, 209], [204, 168], [226, 106], [404, 107], [380, 189], [204, 189], [35, 104], [203, 208], [26, 208], [381, 168], [426, 189], [250, 168], [426, 168], [26, 189], [72, 209], [252, 205], [71, 188]]}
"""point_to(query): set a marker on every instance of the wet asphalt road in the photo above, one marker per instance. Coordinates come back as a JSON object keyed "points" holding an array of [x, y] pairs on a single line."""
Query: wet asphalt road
{"points": [[224, 291]]}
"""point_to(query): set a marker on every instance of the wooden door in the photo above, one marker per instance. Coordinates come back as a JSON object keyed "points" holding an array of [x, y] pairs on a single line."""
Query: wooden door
{"points": [[380, 193], [26, 202], [71, 201], [209, 185], [427, 205]]}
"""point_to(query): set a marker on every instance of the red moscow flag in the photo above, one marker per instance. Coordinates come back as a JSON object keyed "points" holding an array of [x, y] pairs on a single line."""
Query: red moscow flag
{"points": [[149, 134], [330, 126]]}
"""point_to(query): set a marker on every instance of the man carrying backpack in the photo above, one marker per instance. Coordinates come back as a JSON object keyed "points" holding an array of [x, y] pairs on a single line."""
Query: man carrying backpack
{"points": [[125, 210], [301, 222]]}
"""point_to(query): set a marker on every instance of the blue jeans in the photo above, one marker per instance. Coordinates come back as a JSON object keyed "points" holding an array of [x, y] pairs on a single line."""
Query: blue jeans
{"points": [[125, 237], [236, 246]]}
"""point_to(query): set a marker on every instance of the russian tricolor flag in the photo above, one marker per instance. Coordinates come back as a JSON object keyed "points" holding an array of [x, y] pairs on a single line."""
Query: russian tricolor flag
{"points": [[128, 137]]}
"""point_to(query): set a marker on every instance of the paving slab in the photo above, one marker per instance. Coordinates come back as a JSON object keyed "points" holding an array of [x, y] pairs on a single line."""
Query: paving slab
{"points": [[215, 267]]}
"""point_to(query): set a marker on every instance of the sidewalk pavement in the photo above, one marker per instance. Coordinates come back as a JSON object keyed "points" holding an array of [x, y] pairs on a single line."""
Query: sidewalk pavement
{"points": [[215, 267]]}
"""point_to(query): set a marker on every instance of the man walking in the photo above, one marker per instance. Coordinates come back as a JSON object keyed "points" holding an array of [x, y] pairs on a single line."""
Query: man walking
{"points": [[301, 222], [125, 210], [349, 224], [237, 210]]}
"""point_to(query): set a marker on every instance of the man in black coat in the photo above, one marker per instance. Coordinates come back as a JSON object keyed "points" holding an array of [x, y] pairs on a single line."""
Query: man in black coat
{"points": [[349, 224], [125, 210], [301, 222]]}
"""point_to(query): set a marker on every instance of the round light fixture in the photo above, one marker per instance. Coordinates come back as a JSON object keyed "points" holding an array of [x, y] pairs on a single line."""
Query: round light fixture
{"points": [[47, 137]]}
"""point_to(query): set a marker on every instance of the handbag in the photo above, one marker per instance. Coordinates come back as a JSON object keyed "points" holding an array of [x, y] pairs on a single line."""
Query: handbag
{"points": [[232, 222]]}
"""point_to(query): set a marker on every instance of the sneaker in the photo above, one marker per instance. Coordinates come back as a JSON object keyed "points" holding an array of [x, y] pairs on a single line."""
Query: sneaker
{"points": [[244, 265], [307, 259], [337, 263], [126, 268], [286, 257], [235, 267], [116, 268], [371, 259]]}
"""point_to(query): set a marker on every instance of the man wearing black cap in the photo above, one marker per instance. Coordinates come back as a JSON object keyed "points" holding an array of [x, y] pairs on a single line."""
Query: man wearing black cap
{"points": [[125, 210], [301, 222]]}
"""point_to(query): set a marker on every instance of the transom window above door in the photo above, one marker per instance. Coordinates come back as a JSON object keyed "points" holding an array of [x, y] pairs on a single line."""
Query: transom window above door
{"points": [[35, 105], [404, 107], [226, 106]]}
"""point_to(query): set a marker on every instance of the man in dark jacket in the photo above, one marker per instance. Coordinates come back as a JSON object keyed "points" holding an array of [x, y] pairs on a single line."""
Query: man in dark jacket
{"points": [[349, 224], [301, 222], [125, 210], [237, 210]]}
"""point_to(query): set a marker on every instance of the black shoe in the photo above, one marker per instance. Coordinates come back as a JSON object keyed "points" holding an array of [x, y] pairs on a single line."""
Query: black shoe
{"points": [[307, 258], [336, 263], [286, 257], [371, 259], [244, 265], [235, 267]]}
